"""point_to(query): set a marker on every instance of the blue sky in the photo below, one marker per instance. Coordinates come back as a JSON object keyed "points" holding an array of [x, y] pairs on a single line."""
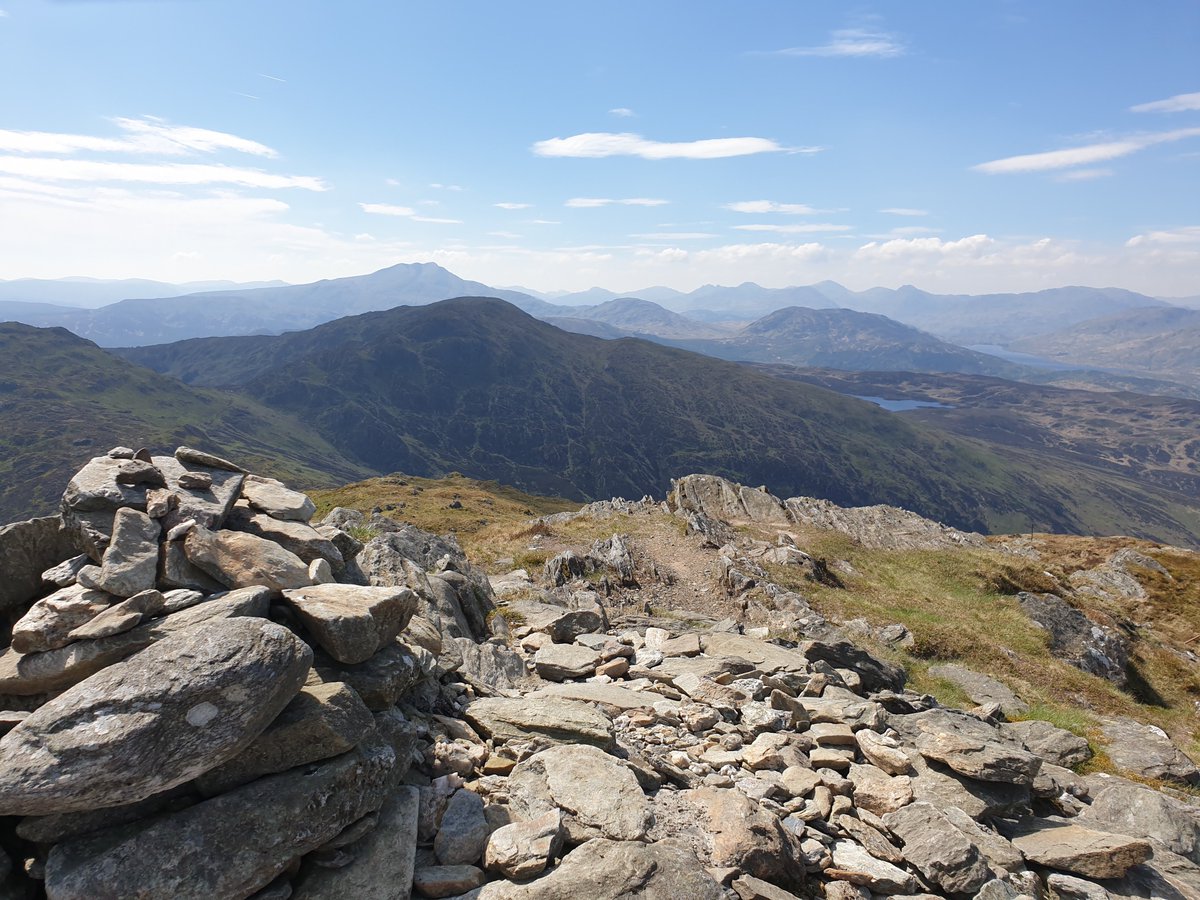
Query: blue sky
{"points": [[959, 146]]}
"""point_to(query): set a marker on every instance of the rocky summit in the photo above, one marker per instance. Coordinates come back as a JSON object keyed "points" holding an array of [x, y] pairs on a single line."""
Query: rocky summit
{"points": [[206, 694]]}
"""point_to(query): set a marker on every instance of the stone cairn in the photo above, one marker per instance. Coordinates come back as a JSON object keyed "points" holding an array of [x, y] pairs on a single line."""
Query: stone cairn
{"points": [[209, 697]]}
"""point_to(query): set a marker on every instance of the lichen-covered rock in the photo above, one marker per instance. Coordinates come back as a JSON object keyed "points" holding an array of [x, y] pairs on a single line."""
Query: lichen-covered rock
{"points": [[352, 623], [157, 720], [50, 621], [277, 500], [519, 718], [130, 563], [237, 559]]}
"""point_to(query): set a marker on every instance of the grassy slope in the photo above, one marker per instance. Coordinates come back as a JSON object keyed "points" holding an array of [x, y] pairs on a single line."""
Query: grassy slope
{"points": [[476, 386], [63, 400]]}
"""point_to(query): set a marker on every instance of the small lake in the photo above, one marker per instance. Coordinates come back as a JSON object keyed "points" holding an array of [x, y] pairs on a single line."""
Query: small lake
{"points": [[902, 405]]}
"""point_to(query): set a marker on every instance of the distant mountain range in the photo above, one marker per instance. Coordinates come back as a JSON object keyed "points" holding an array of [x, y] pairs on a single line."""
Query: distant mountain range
{"points": [[477, 386], [93, 292]]}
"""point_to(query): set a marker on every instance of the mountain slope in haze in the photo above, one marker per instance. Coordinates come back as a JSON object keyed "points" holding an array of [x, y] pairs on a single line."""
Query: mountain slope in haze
{"points": [[845, 339], [63, 400], [88, 293], [477, 386], [269, 310], [645, 317], [1163, 342]]}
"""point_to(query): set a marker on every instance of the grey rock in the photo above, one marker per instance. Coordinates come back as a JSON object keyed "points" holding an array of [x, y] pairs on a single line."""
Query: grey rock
{"points": [[57, 827], [1068, 887], [303, 540], [561, 623], [943, 787], [50, 621], [599, 796], [208, 506], [276, 500], [1123, 807], [1076, 639], [383, 860], [1079, 850], [237, 559], [563, 721], [95, 488], [139, 471], [488, 666], [617, 870], [560, 662], [854, 864], [120, 617], [980, 688], [971, 747], [381, 680], [211, 690], [463, 832], [521, 850], [177, 573], [196, 481], [321, 721], [876, 674], [242, 839], [54, 670], [447, 881], [877, 791], [352, 623], [720, 499], [1146, 751], [27, 549], [130, 563], [941, 852], [64, 574], [765, 656], [1053, 744], [614, 555], [189, 456]]}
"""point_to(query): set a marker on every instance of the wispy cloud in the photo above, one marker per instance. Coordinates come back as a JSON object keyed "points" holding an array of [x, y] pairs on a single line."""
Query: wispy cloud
{"points": [[910, 230], [1081, 156], [56, 169], [770, 206], [1189, 234], [674, 236], [623, 112], [447, 187], [3, 14], [513, 205], [904, 211], [272, 77], [141, 136], [594, 145], [1084, 175], [853, 42], [404, 212], [510, 235], [594, 202], [814, 228], [1178, 103], [544, 222]]}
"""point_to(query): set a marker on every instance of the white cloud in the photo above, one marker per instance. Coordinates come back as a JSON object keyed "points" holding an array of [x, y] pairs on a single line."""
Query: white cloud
{"points": [[142, 136], [544, 222], [512, 236], [1178, 103], [674, 235], [1084, 175], [853, 42], [513, 205], [595, 202], [814, 228], [1189, 234], [623, 112], [433, 221], [902, 248], [594, 145], [770, 206], [1081, 156], [387, 209], [904, 211], [907, 230], [447, 187], [53, 169]]}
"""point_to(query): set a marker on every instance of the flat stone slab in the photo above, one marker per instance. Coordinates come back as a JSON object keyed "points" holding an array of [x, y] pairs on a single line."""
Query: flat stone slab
{"points": [[352, 623], [767, 657], [562, 721], [1080, 850], [980, 688], [608, 694]]}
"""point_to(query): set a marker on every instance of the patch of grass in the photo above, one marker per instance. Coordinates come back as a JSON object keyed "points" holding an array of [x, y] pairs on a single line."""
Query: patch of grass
{"points": [[512, 616], [362, 533], [532, 561]]}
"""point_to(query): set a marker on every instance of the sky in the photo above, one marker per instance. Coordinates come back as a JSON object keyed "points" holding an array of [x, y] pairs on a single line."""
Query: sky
{"points": [[958, 146]]}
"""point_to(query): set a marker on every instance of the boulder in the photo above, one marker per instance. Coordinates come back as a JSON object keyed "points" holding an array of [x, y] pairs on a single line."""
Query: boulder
{"points": [[189, 456], [488, 666], [878, 792], [943, 787], [381, 680], [563, 624], [970, 747], [231, 845], [560, 662], [237, 559], [382, 861], [599, 796], [175, 710], [876, 674], [321, 721], [1053, 744], [130, 563], [854, 864], [1122, 807], [54, 670], [50, 621], [1076, 639], [204, 494], [1079, 850], [297, 537], [521, 850], [1146, 751], [447, 881], [120, 617], [562, 721], [765, 656], [463, 832], [27, 549], [721, 499], [941, 852], [617, 870], [349, 622], [276, 500]]}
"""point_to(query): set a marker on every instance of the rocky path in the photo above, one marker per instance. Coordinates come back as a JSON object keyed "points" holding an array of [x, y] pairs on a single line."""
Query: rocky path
{"points": [[207, 696]]}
